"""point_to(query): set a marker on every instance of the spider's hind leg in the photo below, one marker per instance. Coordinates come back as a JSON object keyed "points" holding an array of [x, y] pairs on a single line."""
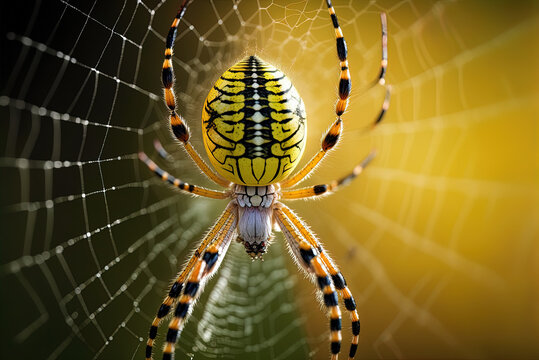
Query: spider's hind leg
{"points": [[333, 134], [161, 150], [177, 125]]}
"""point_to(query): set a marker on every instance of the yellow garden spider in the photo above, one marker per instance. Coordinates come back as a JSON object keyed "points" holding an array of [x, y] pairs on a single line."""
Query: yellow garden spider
{"points": [[254, 133]]}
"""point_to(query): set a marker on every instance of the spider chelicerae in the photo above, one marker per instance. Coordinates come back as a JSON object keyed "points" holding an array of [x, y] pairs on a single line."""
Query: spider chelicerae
{"points": [[254, 125]]}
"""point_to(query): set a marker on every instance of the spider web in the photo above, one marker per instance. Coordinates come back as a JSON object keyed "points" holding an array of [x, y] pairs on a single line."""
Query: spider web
{"points": [[438, 238]]}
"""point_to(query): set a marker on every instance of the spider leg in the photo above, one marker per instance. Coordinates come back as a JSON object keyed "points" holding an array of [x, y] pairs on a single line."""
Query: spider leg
{"points": [[383, 63], [178, 127], [203, 269], [336, 275], [161, 150], [324, 189], [309, 258], [333, 134], [385, 106], [193, 189], [177, 286]]}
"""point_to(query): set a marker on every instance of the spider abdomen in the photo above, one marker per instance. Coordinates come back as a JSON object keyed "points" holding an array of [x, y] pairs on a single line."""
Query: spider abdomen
{"points": [[254, 124]]}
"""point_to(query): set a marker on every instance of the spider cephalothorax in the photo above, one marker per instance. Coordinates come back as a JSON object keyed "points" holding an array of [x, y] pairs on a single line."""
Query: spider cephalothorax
{"points": [[254, 131], [254, 217]]}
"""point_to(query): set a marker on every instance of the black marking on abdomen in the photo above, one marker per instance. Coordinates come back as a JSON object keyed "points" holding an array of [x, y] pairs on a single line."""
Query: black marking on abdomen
{"points": [[258, 139]]}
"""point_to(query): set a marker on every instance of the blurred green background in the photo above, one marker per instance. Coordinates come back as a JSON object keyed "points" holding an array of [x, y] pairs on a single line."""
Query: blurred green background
{"points": [[437, 238]]}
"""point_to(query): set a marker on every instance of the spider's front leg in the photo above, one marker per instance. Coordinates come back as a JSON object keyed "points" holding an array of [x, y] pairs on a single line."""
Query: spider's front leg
{"points": [[221, 231], [309, 258], [336, 276], [203, 269]]}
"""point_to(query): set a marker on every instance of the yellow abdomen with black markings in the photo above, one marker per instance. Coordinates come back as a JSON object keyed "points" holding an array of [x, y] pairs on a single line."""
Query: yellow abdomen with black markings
{"points": [[254, 124]]}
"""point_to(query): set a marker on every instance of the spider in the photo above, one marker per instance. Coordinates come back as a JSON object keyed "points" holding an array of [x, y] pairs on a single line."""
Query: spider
{"points": [[254, 131]]}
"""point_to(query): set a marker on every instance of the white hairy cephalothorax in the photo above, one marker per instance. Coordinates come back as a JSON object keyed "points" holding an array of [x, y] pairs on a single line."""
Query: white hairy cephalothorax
{"points": [[255, 220]]}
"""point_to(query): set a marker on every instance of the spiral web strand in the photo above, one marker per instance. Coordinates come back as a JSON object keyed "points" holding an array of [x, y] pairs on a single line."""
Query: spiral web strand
{"points": [[435, 237]]}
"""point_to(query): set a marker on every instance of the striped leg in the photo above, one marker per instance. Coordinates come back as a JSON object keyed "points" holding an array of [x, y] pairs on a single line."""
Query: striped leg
{"points": [[310, 259], [177, 286], [336, 276], [385, 106], [204, 267], [324, 189], [193, 189], [161, 150], [380, 79], [345, 86], [179, 128], [383, 63]]}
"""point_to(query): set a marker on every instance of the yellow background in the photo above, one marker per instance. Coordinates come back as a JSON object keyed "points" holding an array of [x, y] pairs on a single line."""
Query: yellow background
{"points": [[438, 238]]}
